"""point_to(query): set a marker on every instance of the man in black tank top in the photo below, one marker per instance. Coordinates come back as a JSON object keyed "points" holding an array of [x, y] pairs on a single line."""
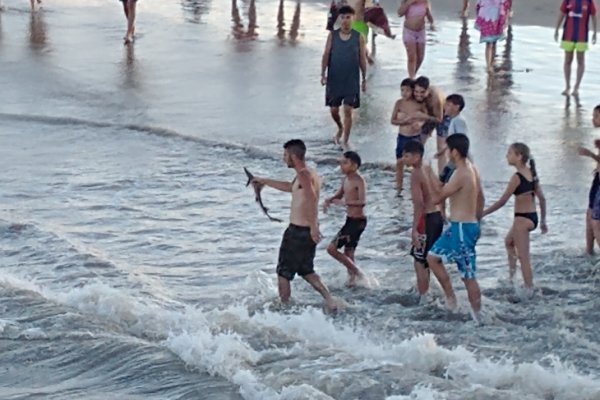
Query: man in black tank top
{"points": [[343, 61]]}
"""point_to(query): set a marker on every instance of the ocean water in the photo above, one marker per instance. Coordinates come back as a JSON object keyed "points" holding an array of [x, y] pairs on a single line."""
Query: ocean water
{"points": [[136, 264]]}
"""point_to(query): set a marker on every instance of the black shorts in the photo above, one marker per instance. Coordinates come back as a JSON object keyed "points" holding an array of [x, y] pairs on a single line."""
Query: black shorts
{"points": [[297, 253], [350, 233], [352, 100], [593, 191], [434, 225]]}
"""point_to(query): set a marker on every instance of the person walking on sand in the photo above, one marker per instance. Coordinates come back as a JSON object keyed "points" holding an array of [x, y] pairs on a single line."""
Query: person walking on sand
{"points": [[492, 21], [576, 15], [525, 186], [343, 63], [299, 243], [129, 8], [415, 12], [457, 243]]}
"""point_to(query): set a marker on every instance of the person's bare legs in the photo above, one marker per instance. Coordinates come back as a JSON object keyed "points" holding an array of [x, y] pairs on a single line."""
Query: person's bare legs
{"points": [[284, 289], [347, 122], [347, 260], [474, 294], [436, 266], [596, 230], [489, 57], [32, 5], [567, 71], [316, 283], [465, 8], [521, 228], [422, 278], [411, 59], [511, 252], [589, 233], [131, 9], [420, 56], [580, 71], [399, 175], [335, 114]]}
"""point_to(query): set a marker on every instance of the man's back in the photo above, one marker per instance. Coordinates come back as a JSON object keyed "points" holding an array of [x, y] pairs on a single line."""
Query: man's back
{"points": [[463, 203]]}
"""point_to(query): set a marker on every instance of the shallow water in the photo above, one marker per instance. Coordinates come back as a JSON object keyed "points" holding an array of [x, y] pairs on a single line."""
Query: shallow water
{"points": [[136, 264]]}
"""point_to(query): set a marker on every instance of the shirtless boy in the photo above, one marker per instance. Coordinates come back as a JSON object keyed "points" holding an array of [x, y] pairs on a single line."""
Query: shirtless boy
{"points": [[352, 195], [457, 243], [427, 223], [409, 129], [297, 251]]}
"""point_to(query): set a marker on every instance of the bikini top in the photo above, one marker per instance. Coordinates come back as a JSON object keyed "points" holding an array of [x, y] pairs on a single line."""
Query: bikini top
{"points": [[416, 10], [525, 186]]}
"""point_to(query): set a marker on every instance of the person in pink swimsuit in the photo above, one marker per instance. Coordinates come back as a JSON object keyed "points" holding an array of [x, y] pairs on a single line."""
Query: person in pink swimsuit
{"points": [[413, 36], [492, 21]]}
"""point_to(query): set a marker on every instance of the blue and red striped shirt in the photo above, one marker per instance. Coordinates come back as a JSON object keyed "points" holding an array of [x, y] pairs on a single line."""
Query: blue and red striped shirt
{"points": [[577, 21]]}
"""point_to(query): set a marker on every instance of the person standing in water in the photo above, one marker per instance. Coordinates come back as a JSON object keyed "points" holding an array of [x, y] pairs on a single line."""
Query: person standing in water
{"points": [[32, 2], [408, 129], [299, 243], [457, 243], [592, 227], [525, 186], [427, 223], [492, 21], [343, 63], [129, 8], [576, 14], [414, 37], [352, 195]]}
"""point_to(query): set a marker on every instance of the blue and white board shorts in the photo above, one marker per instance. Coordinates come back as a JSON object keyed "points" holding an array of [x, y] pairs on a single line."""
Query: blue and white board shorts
{"points": [[457, 245]]}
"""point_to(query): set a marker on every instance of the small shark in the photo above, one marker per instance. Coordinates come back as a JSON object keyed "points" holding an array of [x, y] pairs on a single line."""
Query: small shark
{"points": [[257, 189]]}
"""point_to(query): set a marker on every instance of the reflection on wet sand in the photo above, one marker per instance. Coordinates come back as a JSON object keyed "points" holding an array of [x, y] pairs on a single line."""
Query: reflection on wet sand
{"points": [[197, 8], [295, 26], [38, 38], [237, 30], [464, 67], [501, 81], [130, 68]]}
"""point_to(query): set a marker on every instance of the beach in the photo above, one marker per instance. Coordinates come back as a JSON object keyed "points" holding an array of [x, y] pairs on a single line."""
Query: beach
{"points": [[137, 265]]}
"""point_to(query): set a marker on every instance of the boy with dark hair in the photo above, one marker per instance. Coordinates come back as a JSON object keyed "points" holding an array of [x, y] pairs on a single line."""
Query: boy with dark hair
{"points": [[577, 15], [457, 243], [343, 62], [453, 107], [408, 129], [351, 194], [427, 223]]}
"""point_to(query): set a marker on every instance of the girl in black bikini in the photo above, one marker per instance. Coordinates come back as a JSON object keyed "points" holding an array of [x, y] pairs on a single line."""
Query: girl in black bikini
{"points": [[525, 186]]}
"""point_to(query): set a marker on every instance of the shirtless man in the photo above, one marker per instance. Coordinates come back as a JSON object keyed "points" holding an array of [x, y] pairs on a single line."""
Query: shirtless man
{"points": [[457, 243], [408, 128], [427, 219], [434, 118], [351, 194], [297, 251]]}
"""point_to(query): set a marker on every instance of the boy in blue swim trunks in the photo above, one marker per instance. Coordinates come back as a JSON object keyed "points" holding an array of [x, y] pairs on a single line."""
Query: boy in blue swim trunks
{"points": [[457, 243], [409, 128]]}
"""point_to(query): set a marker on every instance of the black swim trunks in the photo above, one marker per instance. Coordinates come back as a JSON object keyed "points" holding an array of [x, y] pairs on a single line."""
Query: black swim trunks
{"points": [[430, 229], [297, 253], [350, 233]]}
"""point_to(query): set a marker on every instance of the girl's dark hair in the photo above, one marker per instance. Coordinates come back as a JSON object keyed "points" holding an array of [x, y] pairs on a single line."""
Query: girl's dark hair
{"points": [[523, 150]]}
